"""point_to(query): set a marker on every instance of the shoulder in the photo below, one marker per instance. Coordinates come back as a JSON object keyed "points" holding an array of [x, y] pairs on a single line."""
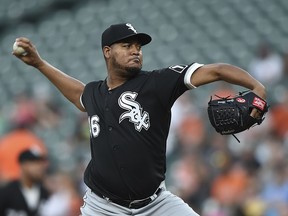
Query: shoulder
{"points": [[178, 68], [11, 186], [94, 84]]}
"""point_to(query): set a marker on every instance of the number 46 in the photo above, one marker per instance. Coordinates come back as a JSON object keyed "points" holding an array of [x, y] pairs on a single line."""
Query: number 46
{"points": [[94, 125]]}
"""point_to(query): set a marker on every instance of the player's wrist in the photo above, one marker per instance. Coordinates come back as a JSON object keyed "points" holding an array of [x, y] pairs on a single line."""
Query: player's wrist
{"points": [[40, 65], [260, 91]]}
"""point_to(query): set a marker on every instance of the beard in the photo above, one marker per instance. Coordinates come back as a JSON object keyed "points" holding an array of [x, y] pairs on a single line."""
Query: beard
{"points": [[124, 71]]}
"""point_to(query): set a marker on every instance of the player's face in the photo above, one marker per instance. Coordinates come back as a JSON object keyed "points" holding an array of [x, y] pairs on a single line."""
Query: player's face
{"points": [[126, 56], [34, 170]]}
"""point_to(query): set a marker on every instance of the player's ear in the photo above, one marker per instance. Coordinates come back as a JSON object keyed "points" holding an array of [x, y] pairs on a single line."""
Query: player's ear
{"points": [[106, 51]]}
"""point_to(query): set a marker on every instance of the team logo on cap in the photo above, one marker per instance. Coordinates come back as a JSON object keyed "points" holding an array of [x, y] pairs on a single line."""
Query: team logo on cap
{"points": [[131, 27]]}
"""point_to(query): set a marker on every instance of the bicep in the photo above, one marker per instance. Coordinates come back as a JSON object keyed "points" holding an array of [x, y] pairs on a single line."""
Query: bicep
{"points": [[205, 74]]}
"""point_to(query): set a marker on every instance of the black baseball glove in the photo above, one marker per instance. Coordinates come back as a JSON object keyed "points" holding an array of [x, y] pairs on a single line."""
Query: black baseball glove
{"points": [[232, 115]]}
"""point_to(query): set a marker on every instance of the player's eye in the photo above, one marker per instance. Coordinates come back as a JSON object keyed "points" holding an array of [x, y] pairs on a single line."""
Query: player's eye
{"points": [[126, 45], [130, 45]]}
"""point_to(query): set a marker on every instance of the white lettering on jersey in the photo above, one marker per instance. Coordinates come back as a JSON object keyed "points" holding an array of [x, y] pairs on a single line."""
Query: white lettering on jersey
{"points": [[178, 68], [94, 125], [134, 113]]}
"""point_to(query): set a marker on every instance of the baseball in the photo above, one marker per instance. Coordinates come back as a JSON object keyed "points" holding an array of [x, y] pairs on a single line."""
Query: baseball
{"points": [[19, 50]]}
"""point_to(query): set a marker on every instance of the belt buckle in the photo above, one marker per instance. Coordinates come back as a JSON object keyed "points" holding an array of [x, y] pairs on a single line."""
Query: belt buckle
{"points": [[138, 203], [147, 200]]}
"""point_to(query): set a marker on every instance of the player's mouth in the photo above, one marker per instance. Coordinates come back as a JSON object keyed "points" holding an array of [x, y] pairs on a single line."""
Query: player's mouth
{"points": [[136, 60]]}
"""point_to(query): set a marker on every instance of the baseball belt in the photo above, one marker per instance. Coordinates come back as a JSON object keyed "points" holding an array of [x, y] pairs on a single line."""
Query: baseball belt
{"points": [[136, 204]]}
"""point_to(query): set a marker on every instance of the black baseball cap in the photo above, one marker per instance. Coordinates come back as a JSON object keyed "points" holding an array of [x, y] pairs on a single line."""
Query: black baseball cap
{"points": [[31, 155], [118, 32]]}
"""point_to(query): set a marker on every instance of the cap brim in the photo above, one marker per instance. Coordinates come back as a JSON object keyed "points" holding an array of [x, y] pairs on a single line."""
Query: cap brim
{"points": [[34, 159], [141, 37]]}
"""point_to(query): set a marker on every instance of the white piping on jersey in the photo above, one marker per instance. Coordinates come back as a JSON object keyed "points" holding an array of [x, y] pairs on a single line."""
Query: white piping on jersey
{"points": [[81, 101], [190, 71]]}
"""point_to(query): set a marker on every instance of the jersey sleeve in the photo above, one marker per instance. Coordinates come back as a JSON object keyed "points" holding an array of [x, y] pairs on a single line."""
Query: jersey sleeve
{"points": [[173, 81]]}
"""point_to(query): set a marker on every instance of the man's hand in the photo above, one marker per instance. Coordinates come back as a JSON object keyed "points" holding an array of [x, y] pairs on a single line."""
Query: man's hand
{"points": [[233, 115], [70, 87], [32, 57], [261, 92]]}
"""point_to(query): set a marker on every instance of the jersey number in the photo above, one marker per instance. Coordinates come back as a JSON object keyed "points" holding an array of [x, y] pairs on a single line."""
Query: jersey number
{"points": [[94, 125]]}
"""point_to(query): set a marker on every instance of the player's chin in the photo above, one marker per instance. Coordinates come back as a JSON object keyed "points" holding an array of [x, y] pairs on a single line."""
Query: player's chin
{"points": [[133, 71], [135, 64]]}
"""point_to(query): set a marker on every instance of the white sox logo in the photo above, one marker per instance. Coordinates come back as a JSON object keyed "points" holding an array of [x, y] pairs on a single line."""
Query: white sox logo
{"points": [[134, 113], [131, 27]]}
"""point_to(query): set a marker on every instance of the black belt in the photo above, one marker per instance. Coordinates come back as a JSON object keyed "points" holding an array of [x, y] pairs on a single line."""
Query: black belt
{"points": [[134, 204]]}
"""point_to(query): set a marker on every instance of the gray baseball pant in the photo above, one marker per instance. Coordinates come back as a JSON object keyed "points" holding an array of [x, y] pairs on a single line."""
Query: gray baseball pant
{"points": [[166, 204]]}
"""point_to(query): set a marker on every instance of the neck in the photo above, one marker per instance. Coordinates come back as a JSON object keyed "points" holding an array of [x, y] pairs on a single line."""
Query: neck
{"points": [[26, 182], [114, 80], [117, 77]]}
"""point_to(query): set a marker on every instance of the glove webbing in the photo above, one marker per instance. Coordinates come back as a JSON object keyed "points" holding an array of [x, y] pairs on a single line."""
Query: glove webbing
{"points": [[229, 112]]}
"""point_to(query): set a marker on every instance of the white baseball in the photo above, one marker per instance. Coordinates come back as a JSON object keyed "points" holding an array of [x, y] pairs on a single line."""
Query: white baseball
{"points": [[19, 50]]}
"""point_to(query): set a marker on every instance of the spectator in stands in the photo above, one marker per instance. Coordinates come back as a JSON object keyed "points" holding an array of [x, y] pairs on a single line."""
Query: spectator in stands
{"points": [[64, 199], [275, 191], [267, 66], [21, 138], [253, 204], [181, 108], [279, 116], [228, 188], [190, 177], [25, 196], [191, 132], [285, 70]]}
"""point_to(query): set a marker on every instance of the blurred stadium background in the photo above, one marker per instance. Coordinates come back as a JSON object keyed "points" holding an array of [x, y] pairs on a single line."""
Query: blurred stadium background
{"points": [[213, 173]]}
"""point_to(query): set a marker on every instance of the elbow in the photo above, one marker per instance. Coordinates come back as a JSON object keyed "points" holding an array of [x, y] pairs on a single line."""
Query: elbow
{"points": [[220, 67], [224, 71], [79, 105], [81, 108]]}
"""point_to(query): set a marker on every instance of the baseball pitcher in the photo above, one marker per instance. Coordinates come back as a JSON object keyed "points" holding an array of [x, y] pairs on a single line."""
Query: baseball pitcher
{"points": [[129, 116]]}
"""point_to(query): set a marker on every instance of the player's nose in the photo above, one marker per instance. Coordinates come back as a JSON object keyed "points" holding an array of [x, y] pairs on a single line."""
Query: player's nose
{"points": [[136, 49]]}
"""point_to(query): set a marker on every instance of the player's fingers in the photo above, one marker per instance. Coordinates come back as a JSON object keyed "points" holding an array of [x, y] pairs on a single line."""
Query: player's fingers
{"points": [[28, 47], [255, 113], [22, 39], [23, 44], [19, 55]]}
